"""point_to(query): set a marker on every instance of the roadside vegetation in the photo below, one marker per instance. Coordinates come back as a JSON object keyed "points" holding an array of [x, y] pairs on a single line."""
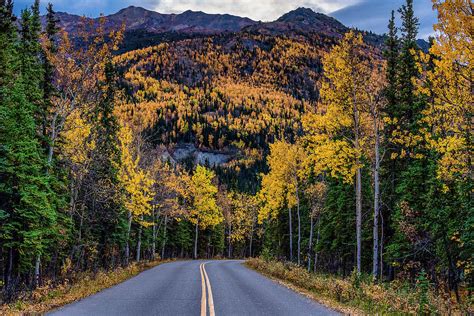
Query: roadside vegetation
{"points": [[73, 288], [357, 294]]}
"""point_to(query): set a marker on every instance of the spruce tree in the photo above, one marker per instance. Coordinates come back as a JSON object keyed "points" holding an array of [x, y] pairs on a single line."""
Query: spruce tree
{"points": [[390, 167], [408, 171], [392, 48], [28, 215], [408, 106], [48, 70], [8, 41], [30, 53], [101, 193], [8, 64]]}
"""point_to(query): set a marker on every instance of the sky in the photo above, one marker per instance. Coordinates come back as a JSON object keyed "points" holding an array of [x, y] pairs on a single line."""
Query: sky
{"points": [[369, 15]]}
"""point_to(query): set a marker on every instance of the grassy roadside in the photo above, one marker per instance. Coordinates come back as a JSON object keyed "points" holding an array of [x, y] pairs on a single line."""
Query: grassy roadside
{"points": [[47, 297], [358, 296]]}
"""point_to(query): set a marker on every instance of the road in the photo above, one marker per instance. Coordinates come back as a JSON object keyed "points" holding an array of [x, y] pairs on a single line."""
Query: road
{"points": [[197, 288]]}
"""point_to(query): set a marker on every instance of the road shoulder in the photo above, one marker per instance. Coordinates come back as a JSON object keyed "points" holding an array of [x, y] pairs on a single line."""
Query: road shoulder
{"points": [[325, 301]]}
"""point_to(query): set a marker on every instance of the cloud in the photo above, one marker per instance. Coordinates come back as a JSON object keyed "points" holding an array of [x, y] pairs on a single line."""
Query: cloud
{"points": [[91, 8], [265, 10], [374, 15]]}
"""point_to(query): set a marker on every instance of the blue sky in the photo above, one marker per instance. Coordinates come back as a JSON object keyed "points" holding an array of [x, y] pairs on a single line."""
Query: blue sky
{"points": [[364, 14]]}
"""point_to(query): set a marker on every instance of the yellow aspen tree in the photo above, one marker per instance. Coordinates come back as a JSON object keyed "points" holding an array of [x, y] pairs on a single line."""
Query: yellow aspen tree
{"points": [[137, 184], [243, 213], [449, 84], [376, 101], [225, 203], [172, 195], [282, 186], [204, 211], [75, 149], [336, 133], [317, 197]]}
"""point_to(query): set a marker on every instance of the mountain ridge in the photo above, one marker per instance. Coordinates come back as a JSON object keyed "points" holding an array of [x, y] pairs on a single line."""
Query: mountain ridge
{"points": [[145, 27], [138, 18]]}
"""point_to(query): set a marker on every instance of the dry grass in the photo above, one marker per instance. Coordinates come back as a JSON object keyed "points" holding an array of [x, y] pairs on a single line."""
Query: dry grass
{"points": [[50, 297], [360, 296]]}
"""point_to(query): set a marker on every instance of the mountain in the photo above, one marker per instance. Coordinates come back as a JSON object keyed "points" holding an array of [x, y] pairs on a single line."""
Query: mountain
{"points": [[145, 28], [137, 18], [234, 91], [301, 21]]}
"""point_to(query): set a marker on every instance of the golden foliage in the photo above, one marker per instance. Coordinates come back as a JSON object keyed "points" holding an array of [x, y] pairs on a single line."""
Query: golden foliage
{"points": [[137, 182], [448, 81], [280, 186], [204, 210], [243, 215], [338, 132], [219, 94]]}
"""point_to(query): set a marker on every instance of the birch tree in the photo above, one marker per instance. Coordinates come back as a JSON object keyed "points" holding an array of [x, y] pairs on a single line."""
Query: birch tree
{"points": [[137, 183], [281, 186], [204, 211], [336, 133]]}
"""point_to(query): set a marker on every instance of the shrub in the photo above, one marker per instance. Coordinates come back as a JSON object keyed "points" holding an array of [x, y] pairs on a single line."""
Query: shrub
{"points": [[358, 291]]}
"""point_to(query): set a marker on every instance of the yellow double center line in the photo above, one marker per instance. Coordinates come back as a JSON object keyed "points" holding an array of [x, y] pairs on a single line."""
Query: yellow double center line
{"points": [[205, 283]]}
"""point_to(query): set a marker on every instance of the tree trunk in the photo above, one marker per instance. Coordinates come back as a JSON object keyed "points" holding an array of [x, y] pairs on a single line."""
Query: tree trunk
{"points": [[375, 265], [153, 242], [50, 153], [317, 243], [251, 238], [452, 275], [310, 241], [291, 233], [359, 218], [358, 180], [299, 225], [127, 244], [229, 250], [9, 269], [381, 247], [51, 144], [139, 243], [164, 238], [37, 271], [196, 241]]}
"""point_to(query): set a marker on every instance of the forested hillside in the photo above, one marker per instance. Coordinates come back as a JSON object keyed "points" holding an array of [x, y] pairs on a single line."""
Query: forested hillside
{"points": [[298, 140]]}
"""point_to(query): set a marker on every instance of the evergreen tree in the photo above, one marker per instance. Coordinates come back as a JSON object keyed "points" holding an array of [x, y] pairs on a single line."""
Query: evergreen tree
{"points": [[408, 106], [48, 69], [8, 42], [392, 47], [408, 172], [27, 212], [390, 167], [30, 53], [106, 225]]}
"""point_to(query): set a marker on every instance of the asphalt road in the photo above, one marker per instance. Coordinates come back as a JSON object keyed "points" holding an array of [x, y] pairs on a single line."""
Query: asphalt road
{"points": [[197, 288]]}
